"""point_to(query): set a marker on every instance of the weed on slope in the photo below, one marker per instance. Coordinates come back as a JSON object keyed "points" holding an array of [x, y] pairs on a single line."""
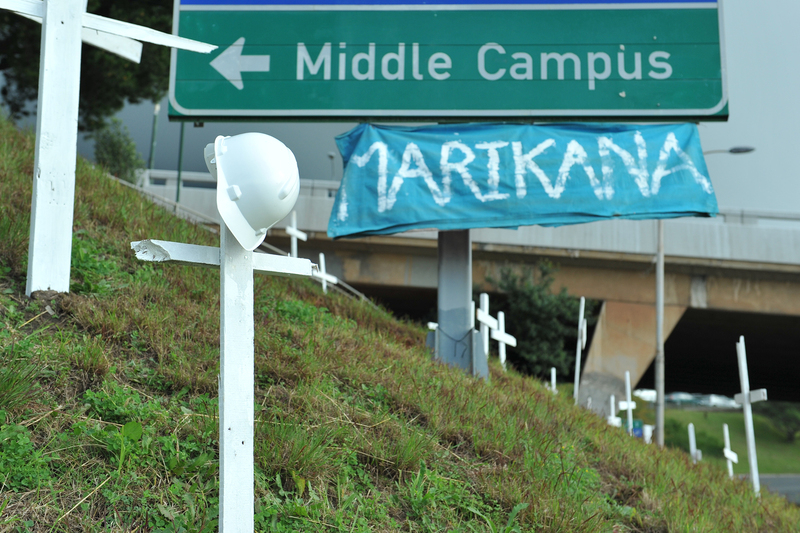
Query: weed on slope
{"points": [[109, 422]]}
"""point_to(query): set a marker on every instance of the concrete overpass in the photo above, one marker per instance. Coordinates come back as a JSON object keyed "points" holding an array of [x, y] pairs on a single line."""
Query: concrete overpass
{"points": [[738, 262]]}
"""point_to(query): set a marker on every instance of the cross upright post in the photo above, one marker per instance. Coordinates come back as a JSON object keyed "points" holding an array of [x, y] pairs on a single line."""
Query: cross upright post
{"points": [[613, 419], [580, 346], [553, 380], [323, 275], [730, 456], [502, 338], [295, 234], [695, 454], [487, 321], [746, 398], [53, 197], [629, 405]]}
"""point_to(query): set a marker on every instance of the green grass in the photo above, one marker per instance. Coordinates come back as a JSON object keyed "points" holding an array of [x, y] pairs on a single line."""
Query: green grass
{"points": [[775, 454], [357, 429]]}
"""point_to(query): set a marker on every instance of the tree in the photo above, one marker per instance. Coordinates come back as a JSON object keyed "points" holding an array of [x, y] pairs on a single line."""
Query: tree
{"points": [[544, 323], [115, 151], [107, 80], [785, 416]]}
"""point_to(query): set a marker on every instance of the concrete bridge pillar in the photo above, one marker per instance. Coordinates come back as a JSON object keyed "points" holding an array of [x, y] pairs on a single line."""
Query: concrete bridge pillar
{"points": [[624, 339]]}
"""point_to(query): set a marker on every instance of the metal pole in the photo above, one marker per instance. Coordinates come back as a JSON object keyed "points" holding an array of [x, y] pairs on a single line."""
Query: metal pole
{"points": [[180, 167], [629, 399], [152, 159], [660, 336]]}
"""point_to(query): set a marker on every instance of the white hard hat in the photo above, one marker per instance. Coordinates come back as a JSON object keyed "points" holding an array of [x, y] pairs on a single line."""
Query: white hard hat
{"points": [[257, 183]]}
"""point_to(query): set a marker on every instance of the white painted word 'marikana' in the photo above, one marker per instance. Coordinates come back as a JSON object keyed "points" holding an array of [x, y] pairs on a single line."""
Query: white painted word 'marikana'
{"points": [[456, 157]]}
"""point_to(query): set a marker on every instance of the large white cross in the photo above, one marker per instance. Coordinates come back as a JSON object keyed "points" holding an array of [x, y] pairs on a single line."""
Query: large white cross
{"points": [[64, 24], [729, 454], [323, 275], [502, 338], [746, 398], [694, 453], [628, 404], [487, 321], [236, 395], [295, 234], [581, 345]]}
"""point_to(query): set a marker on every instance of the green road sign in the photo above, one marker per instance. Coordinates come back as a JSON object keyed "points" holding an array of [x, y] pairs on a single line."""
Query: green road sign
{"points": [[546, 59]]}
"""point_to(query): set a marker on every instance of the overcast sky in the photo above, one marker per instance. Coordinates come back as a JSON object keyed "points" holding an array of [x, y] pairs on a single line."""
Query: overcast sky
{"points": [[762, 43]]}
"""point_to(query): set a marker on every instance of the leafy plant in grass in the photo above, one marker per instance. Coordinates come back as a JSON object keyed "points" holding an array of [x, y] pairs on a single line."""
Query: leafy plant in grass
{"points": [[544, 322], [115, 150], [22, 466]]}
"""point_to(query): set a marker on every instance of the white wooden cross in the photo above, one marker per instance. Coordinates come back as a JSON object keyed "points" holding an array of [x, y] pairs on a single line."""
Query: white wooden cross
{"points": [[746, 398], [503, 338], [321, 274], [628, 404], [614, 420], [64, 23], [694, 453], [295, 234], [553, 388], [581, 345], [236, 394], [487, 321], [730, 456]]}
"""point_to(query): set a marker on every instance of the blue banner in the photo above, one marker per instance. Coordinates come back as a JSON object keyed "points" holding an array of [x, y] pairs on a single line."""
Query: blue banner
{"points": [[504, 176]]}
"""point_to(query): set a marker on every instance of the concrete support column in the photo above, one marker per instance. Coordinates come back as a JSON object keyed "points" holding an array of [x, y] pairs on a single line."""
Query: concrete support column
{"points": [[624, 339], [454, 335]]}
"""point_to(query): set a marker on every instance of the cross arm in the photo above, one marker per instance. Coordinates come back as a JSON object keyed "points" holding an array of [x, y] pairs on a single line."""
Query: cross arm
{"points": [[505, 338], [35, 8], [208, 256], [758, 395], [730, 455], [623, 405], [294, 232], [489, 320], [129, 49]]}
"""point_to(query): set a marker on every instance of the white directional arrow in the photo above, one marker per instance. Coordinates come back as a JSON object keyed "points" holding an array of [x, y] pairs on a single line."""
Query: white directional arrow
{"points": [[231, 63]]}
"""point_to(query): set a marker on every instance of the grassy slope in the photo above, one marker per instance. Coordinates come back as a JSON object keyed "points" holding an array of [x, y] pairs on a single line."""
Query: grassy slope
{"points": [[357, 429]]}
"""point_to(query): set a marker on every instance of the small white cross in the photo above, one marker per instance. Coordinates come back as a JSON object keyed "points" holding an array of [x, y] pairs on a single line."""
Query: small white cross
{"points": [[553, 388], [614, 420], [730, 456], [578, 349], [295, 234], [321, 274], [503, 338], [487, 322], [746, 398], [694, 453], [627, 404]]}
